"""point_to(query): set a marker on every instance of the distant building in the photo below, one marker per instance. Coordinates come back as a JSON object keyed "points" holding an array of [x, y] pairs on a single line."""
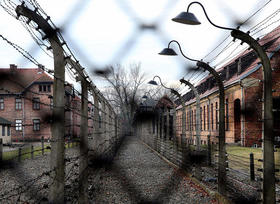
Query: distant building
{"points": [[26, 101]]}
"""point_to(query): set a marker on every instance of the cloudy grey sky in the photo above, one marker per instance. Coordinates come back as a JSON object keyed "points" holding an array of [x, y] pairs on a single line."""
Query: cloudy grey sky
{"points": [[103, 32]]}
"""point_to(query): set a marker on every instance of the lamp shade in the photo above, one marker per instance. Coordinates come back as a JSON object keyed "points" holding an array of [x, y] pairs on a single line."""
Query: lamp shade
{"points": [[186, 18], [168, 51], [153, 82]]}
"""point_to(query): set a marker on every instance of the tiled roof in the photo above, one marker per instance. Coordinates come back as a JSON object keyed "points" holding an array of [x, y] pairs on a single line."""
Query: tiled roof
{"points": [[249, 62], [18, 79]]}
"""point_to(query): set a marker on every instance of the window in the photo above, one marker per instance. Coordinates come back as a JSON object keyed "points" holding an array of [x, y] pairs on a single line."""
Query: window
{"points": [[212, 117], [192, 120], [217, 117], [36, 104], [18, 104], [18, 125], [2, 104], [3, 130], [227, 123], [8, 130], [187, 120], [204, 118], [208, 118], [44, 88], [36, 124], [201, 118], [194, 114]]}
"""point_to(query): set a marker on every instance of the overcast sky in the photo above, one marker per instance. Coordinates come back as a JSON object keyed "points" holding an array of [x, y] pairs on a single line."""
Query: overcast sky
{"points": [[103, 32]]}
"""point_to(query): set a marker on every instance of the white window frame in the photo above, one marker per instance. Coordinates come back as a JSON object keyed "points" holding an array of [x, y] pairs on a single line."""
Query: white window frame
{"points": [[18, 125]]}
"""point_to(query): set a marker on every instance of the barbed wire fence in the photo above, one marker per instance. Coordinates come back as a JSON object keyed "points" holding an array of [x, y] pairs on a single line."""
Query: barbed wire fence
{"points": [[240, 169], [105, 125]]}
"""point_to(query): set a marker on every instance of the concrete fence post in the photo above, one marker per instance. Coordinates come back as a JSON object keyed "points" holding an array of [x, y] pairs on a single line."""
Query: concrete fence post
{"points": [[209, 152], [32, 151], [83, 161], [42, 145], [103, 126], [252, 167], [1, 150], [19, 154]]}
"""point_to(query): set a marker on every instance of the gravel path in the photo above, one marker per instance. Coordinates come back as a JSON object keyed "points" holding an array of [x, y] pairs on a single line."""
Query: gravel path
{"points": [[137, 175], [25, 182]]}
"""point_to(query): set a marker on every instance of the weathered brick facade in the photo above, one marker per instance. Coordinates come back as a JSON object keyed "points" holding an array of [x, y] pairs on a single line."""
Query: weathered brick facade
{"points": [[26, 101], [243, 84]]}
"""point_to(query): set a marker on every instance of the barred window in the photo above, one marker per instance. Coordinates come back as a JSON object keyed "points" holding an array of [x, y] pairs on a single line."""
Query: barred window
{"points": [[204, 118], [36, 124], [217, 116], [201, 119], [18, 104], [36, 103], [208, 118], [227, 115], [2, 106], [212, 117]]}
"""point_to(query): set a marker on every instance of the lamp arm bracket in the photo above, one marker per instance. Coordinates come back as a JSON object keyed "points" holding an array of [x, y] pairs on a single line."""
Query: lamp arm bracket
{"points": [[175, 41], [217, 26], [161, 82]]}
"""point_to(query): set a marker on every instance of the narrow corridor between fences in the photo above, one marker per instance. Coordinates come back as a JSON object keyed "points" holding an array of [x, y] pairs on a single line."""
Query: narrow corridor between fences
{"points": [[138, 175]]}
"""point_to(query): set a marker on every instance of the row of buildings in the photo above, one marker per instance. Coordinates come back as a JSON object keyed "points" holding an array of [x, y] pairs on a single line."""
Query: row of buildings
{"points": [[243, 84], [26, 102]]}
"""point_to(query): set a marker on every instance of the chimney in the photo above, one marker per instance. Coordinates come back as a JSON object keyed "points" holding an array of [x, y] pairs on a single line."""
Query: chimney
{"points": [[13, 68], [239, 66], [41, 69]]}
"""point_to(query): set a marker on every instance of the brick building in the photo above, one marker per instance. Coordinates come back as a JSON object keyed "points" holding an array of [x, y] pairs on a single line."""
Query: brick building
{"points": [[243, 85], [26, 101]]}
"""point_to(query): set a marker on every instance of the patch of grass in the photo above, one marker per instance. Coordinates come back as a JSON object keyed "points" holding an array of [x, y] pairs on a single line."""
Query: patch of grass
{"points": [[26, 152], [239, 158]]}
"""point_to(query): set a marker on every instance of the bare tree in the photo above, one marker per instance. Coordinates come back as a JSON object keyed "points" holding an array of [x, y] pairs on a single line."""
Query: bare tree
{"points": [[124, 89]]}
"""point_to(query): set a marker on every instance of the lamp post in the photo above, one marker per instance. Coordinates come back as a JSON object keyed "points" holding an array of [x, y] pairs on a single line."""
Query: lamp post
{"points": [[221, 163], [268, 136]]}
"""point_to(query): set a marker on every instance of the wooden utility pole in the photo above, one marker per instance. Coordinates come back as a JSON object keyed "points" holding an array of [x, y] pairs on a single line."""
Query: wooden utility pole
{"points": [[56, 193]]}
